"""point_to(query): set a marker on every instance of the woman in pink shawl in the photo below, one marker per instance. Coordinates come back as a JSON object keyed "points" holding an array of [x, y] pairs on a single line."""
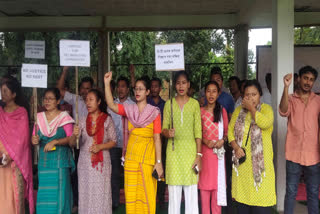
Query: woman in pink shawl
{"points": [[15, 155], [143, 152]]}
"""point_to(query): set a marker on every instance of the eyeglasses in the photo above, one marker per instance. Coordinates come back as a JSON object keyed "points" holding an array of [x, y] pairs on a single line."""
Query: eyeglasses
{"points": [[49, 99], [139, 89]]}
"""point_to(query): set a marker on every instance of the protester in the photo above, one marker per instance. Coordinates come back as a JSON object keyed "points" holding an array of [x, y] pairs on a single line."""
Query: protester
{"points": [[55, 160], [227, 102], [302, 109], [212, 181], [121, 125], [155, 100], [184, 153], [235, 89], [249, 133], [143, 155], [86, 84], [94, 166], [16, 182]]}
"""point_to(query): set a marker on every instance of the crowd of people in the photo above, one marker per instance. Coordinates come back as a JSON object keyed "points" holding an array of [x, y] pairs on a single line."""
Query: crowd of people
{"points": [[217, 149]]}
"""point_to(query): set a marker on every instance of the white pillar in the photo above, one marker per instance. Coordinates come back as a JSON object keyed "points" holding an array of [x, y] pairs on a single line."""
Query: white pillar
{"points": [[104, 56], [241, 39], [282, 63]]}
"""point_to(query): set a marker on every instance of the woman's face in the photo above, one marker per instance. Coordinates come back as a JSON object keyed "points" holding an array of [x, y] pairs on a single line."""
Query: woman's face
{"points": [[6, 94], [92, 103], [140, 91], [50, 101], [212, 93], [182, 85], [252, 94]]}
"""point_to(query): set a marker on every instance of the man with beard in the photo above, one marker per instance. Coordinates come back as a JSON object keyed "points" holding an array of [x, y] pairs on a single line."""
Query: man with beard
{"points": [[302, 109], [122, 90]]}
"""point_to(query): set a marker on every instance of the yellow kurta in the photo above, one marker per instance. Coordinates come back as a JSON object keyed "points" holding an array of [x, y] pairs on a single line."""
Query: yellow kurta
{"points": [[139, 185], [243, 189]]}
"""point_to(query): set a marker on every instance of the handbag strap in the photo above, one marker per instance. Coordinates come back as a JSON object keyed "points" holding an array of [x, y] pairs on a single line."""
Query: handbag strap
{"points": [[248, 135]]}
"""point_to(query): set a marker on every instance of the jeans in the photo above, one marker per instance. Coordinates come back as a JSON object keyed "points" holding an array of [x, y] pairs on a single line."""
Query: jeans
{"points": [[115, 155], [312, 176]]}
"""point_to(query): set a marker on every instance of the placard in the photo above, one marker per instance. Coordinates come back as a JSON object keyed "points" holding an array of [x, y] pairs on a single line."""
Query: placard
{"points": [[34, 75], [34, 49], [74, 53], [169, 57]]}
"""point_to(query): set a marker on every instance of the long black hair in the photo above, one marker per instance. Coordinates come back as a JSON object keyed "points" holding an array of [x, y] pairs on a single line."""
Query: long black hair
{"points": [[217, 111], [103, 105], [15, 87]]}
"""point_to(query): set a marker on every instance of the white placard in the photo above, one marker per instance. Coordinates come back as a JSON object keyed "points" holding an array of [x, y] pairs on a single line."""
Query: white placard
{"points": [[34, 75], [34, 49], [74, 53], [169, 57]]}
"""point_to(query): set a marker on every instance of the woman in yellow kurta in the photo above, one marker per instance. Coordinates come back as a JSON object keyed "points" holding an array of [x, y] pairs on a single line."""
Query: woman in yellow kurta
{"points": [[143, 152], [250, 130]]}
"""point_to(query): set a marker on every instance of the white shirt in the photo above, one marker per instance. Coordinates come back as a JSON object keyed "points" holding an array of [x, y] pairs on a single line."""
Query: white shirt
{"points": [[117, 120], [266, 96], [82, 108]]}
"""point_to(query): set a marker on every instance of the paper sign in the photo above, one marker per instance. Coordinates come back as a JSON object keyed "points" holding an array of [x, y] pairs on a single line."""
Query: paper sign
{"points": [[34, 49], [74, 53], [34, 75], [169, 57]]}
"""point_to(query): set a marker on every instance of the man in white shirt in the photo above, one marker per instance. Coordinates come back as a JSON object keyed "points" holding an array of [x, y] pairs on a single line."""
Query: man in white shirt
{"points": [[122, 89]]}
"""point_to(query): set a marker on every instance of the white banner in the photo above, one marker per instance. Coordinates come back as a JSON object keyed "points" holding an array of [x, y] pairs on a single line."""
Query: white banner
{"points": [[169, 57], [34, 49], [34, 75], [74, 53]]}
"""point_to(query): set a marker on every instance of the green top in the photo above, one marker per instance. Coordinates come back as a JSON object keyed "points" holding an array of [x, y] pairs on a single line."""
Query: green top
{"points": [[187, 125], [243, 189], [60, 158]]}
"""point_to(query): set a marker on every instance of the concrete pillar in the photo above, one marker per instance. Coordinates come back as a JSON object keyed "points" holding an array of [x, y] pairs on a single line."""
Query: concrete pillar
{"points": [[241, 39], [104, 56], [282, 63]]}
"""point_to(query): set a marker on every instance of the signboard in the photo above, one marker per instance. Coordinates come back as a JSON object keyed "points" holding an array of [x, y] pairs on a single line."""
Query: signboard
{"points": [[34, 75], [74, 53], [34, 49], [169, 57]]}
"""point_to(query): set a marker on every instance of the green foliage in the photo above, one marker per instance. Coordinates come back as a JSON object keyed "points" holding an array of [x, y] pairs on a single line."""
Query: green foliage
{"points": [[307, 36]]}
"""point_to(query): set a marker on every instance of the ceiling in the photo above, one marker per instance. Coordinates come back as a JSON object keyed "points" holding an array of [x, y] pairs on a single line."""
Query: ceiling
{"points": [[141, 7]]}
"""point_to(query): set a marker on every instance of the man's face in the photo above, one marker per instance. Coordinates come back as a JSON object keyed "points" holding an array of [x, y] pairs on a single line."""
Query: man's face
{"points": [[234, 87], [84, 89], [155, 89], [122, 89], [218, 79], [306, 82]]}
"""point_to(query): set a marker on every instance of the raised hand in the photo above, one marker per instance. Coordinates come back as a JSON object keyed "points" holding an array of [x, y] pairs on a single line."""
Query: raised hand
{"points": [[287, 79], [108, 77]]}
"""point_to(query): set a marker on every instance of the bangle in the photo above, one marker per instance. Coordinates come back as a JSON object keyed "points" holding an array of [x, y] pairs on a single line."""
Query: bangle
{"points": [[199, 154], [158, 161]]}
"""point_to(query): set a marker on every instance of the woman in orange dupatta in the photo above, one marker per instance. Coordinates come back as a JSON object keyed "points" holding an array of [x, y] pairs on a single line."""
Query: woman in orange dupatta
{"points": [[143, 153]]}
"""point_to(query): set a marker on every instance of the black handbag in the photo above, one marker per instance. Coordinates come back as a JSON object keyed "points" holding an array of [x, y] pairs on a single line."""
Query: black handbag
{"points": [[243, 159]]}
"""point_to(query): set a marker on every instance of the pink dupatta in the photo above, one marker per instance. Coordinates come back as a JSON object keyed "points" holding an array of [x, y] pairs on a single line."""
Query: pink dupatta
{"points": [[137, 119], [14, 134]]}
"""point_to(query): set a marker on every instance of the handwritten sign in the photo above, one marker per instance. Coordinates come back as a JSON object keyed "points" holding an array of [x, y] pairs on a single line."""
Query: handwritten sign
{"points": [[34, 49], [34, 75], [74, 53], [169, 57]]}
